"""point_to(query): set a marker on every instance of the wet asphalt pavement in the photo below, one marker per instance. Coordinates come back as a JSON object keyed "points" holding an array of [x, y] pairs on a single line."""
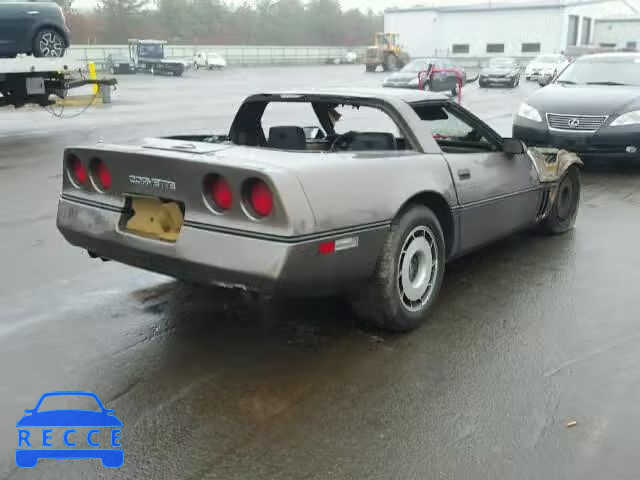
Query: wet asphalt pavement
{"points": [[526, 336]]}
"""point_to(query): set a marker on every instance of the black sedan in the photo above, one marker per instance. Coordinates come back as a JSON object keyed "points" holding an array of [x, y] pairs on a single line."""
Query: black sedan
{"points": [[500, 71], [592, 108], [441, 82]]}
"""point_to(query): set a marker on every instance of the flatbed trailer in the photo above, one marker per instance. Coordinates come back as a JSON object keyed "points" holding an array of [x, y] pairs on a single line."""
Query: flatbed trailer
{"points": [[29, 80]]}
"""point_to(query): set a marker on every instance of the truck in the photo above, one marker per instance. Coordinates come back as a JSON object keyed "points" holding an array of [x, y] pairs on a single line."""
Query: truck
{"points": [[148, 57], [30, 80], [387, 52]]}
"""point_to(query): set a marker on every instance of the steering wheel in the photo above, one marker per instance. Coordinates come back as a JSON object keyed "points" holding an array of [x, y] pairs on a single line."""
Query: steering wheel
{"points": [[342, 141]]}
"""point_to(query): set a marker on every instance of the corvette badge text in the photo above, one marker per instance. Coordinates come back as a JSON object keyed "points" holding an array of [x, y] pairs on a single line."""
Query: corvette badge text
{"points": [[157, 183], [69, 433]]}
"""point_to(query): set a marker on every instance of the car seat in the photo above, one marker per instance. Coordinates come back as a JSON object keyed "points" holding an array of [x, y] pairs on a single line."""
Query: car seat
{"points": [[287, 138]]}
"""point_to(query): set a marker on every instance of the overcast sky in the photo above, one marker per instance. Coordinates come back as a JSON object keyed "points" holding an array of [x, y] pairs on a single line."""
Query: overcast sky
{"points": [[376, 5]]}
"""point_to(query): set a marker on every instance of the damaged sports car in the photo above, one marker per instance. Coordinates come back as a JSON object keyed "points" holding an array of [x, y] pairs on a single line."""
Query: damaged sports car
{"points": [[364, 192]]}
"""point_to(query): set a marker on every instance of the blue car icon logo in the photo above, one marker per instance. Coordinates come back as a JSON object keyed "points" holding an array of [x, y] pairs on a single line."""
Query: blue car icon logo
{"points": [[42, 432]]}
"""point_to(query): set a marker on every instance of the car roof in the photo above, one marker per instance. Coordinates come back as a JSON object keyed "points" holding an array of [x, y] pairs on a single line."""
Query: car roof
{"points": [[405, 94], [629, 55]]}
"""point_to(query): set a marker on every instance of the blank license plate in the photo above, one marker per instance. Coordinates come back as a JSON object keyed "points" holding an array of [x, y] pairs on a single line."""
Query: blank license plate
{"points": [[152, 217]]}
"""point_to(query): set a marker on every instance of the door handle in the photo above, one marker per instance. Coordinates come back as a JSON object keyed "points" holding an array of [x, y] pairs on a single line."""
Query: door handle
{"points": [[464, 174], [33, 12]]}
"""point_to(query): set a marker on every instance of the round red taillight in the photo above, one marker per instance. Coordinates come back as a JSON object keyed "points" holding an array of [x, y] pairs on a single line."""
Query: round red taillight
{"points": [[101, 174], [77, 171], [261, 198], [221, 193]]}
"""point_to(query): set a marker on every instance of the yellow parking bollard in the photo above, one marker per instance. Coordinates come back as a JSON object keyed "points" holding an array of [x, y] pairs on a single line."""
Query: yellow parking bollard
{"points": [[92, 76]]}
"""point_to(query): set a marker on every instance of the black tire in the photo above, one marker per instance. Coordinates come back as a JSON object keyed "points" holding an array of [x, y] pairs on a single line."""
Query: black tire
{"points": [[564, 211], [482, 85], [48, 42], [454, 89], [390, 63], [370, 68], [380, 302]]}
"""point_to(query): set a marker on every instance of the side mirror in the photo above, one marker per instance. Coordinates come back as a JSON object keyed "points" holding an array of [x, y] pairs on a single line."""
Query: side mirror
{"points": [[513, 146]]}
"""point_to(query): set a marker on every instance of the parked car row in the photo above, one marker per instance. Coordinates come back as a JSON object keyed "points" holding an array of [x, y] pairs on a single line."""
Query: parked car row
{"points": [[498, 71]]}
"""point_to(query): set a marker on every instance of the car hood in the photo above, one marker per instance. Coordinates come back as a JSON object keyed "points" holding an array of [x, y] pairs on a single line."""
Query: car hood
{"points": [[402, 77], [585, 99], [496, 71], [69, 418]]}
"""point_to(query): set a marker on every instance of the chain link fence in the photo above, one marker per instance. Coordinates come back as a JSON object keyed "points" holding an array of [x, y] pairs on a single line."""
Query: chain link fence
{"points": [[234, 55]]}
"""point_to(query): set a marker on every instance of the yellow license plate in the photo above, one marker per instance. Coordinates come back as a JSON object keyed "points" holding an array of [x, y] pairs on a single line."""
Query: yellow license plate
{"points": [[155, 218]]}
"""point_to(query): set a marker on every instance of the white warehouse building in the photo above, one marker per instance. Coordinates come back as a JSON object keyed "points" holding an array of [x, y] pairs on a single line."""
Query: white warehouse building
{"points": [[510, 29]]}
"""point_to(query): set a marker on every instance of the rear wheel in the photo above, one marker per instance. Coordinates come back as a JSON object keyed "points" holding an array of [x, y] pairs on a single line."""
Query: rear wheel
{"points": [[562, 216], [408, 275], [48, 43], [390, 63], [454, 89]]}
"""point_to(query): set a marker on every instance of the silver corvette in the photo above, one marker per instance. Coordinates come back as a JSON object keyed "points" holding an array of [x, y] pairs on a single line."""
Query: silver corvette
{"points": [[371, 196]]}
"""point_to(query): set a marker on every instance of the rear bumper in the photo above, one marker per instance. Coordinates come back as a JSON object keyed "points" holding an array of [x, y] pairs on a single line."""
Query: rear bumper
{"points": [[496, 80], [608, 142], [204, 255]]}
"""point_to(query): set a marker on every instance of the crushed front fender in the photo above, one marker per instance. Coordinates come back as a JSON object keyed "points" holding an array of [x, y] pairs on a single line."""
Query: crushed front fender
{"points": [[551, 163]]}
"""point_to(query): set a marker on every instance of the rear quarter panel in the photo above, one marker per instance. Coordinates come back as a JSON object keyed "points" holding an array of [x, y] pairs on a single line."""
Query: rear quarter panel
{"points": [[347, 189]]}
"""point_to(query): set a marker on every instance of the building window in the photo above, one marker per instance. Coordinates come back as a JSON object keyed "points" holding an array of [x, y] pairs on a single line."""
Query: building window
{"points": [[572, 31], [495, 47], [460, 48], [608, 45], [530, 48], [586, 31]]}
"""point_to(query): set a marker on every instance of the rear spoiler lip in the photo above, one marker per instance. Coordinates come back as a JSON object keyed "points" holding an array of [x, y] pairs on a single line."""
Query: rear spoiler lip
{"points": [[185, 146]]}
